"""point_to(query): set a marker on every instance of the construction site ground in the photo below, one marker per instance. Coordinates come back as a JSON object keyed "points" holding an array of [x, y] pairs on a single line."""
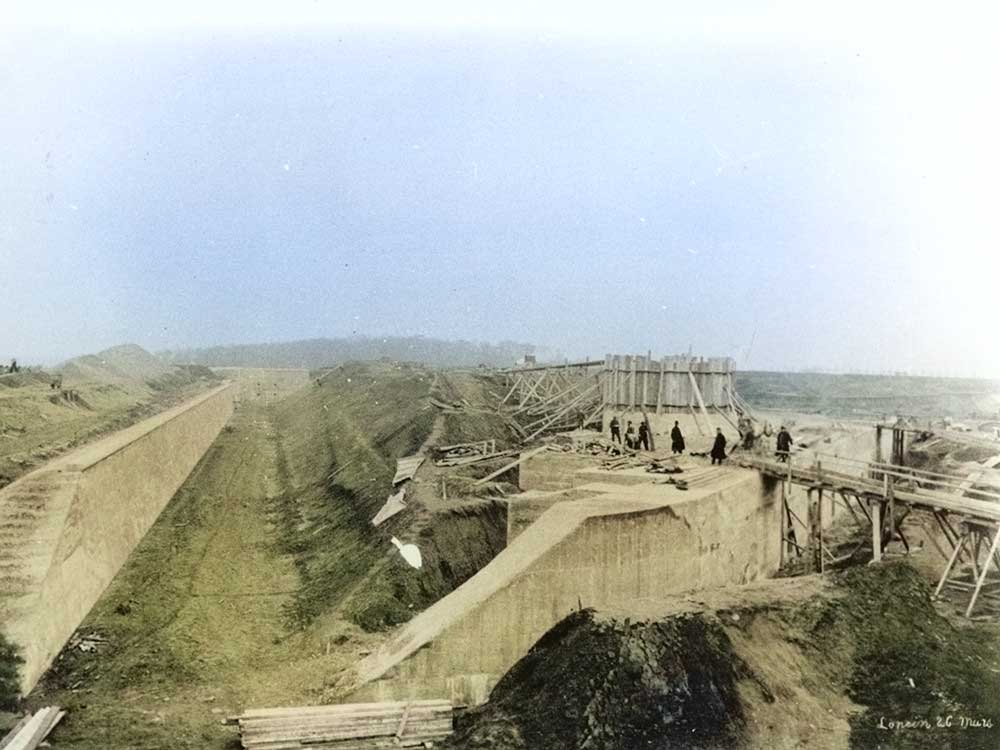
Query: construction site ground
{"points": [[263, 583]]}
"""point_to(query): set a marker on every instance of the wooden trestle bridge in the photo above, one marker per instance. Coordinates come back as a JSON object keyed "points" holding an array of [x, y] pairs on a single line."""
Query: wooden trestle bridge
{"points": [[879, 495]]}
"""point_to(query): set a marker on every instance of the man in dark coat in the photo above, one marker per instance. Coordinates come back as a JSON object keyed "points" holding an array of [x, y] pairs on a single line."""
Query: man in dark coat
{"points": [[677, 439], [630, 435], [616, 430], [643, 441], [784, 446], [719, 447]]}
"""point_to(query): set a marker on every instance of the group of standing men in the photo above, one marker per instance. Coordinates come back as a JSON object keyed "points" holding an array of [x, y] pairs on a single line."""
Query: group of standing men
{"points": [[639, 440], [634, 440]]}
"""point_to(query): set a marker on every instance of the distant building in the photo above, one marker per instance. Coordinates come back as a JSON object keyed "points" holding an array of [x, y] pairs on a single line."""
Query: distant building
{"points": [[528, 360]]}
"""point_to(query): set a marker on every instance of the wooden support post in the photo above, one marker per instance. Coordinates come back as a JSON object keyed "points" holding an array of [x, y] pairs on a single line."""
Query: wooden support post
{"points": [[891, 511], [697, 424], [531, 391], [982, 575], [659, 388], [782, 523], [819, 529], [645, 386], [517, 382], [951, 564], [878, 450], [876, 508], [811, 551], [631, 386], [701, 403]]}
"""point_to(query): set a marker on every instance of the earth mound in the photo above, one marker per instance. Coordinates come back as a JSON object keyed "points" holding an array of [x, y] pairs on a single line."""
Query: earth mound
{"points": [[862, 662]]}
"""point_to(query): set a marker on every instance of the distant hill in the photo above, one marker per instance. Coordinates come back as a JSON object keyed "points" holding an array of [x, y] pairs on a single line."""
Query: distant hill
{"points": [[315, 353], [119, 363]]}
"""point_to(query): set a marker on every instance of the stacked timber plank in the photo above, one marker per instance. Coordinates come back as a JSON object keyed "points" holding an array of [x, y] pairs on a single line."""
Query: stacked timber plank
{"points": [[464, 454], [350, 726], [31, 731]]}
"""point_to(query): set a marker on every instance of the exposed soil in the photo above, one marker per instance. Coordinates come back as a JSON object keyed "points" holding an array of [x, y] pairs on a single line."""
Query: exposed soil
{"points": [[263, 581], [194, 626], [835, 670]]}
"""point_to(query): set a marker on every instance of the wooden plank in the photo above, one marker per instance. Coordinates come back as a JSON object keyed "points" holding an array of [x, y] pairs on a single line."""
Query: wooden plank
{"points": [[968, 483], [383, 728], [876, 510], [402, 722], [631, 385], [9, 737], [701, 403], [532, 390], [659, 388], [406, 468], [563, 411], [354, 726], [546, 368], [697, 424], [35, 730], [339, 708], [982, 575], [524, 457]]}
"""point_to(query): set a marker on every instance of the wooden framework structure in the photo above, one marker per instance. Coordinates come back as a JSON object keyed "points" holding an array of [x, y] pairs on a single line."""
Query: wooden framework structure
{"points": [[967, 517], [675, 383], [548, 399], [560, 397]]}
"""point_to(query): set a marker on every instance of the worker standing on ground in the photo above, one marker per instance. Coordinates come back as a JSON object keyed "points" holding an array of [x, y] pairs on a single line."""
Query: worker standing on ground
{"points": [[643, 441], [676, 439], [630, 435], [784, 447], [719, 447], [616, 430]]}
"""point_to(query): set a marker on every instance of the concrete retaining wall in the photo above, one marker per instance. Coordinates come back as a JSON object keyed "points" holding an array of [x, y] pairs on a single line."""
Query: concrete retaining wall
{"points": [[627, 545], [99, 501]]}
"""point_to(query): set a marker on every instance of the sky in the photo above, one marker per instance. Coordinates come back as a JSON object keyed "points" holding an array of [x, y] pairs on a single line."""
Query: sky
{"points": [[791, 187]]}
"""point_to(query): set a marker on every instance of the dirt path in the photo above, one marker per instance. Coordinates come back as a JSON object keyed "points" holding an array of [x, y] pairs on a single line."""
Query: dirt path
{"points": [[195, 623]]}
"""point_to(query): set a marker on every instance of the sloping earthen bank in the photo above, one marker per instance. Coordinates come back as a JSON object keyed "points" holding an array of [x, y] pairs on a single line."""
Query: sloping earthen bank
{"points": [[864, 661], [340, 438]]}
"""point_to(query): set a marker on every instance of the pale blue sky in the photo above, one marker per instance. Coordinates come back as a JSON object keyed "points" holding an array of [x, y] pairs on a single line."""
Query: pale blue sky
{"points": [[823, 185]]}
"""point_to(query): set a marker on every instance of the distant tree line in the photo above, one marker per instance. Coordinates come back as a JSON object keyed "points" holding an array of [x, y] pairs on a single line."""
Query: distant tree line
{"points": [[324, 352]]}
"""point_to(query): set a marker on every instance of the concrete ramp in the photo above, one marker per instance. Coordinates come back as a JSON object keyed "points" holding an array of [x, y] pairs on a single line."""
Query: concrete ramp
{"points": [[67, 528], [621, 546]]}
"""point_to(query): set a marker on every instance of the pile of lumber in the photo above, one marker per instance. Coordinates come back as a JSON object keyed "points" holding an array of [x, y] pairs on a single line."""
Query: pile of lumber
{"points": [[652, 463], [32, 730], [350, 726], [463, 454]]}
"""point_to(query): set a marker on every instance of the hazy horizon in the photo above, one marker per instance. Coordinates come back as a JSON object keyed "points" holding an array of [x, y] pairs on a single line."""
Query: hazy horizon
{"points": [[796, 191]]}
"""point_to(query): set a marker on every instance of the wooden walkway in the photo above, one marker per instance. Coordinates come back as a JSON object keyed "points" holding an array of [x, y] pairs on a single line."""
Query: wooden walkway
{"points": [[967, 515]]}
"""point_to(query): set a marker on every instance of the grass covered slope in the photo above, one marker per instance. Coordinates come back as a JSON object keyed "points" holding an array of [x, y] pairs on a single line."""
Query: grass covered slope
{"points": [[340, 440], [98, 394], [867, 664]]}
